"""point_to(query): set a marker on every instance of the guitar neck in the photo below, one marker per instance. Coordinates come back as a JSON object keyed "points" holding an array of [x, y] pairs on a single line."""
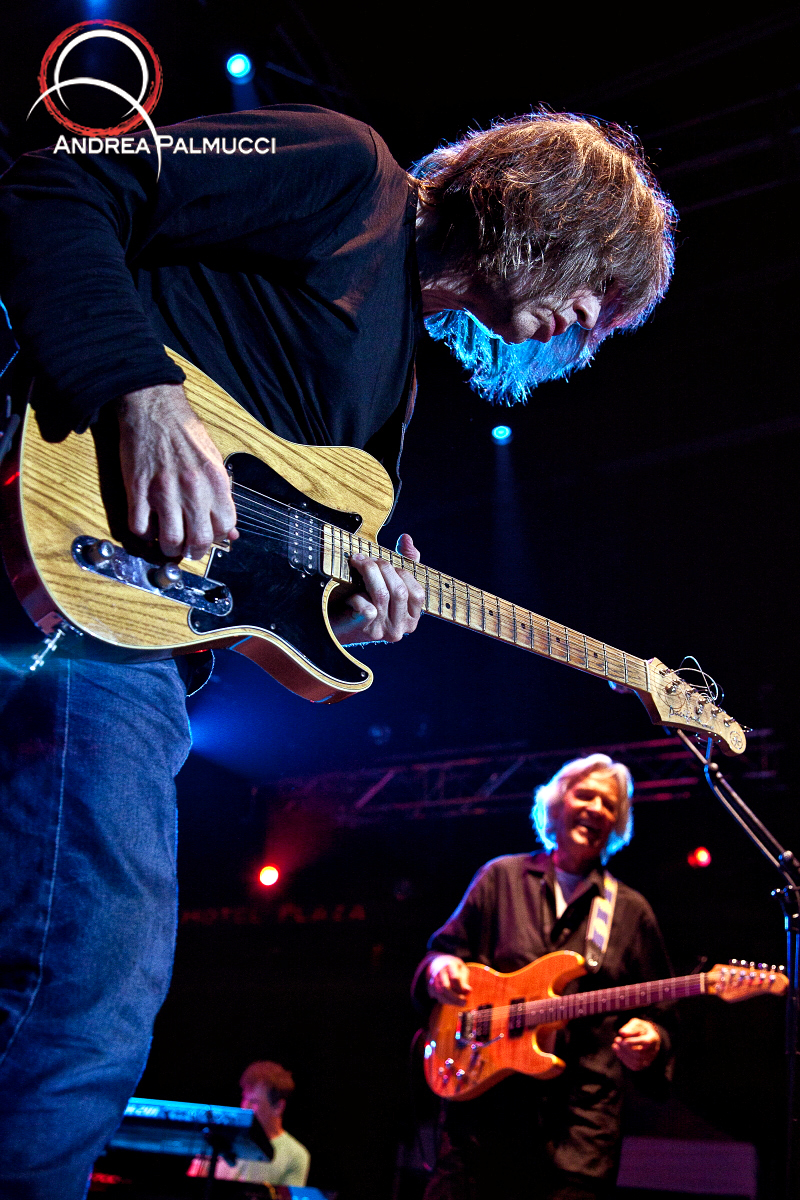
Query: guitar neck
{"points": [[453, 600], [609, 1000]]}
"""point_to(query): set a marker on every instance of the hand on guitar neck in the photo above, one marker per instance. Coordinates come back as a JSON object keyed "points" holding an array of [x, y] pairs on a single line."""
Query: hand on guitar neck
{"points": [[176, 481], [390, 605]]}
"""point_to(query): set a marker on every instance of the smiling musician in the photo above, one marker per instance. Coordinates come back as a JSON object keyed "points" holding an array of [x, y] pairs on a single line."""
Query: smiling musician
{"points": [[557, 1140]]}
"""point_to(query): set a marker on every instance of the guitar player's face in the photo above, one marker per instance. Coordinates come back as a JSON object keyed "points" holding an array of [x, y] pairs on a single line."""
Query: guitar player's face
{"points": [[588, 813], [536, 320]]}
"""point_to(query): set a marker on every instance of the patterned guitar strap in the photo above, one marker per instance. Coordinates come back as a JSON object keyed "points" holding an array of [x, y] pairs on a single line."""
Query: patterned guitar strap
{"points": [[598, 930]]}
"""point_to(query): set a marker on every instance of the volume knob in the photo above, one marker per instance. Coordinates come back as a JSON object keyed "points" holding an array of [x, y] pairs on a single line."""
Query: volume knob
{"points": [[168, 576], [98, 552]]}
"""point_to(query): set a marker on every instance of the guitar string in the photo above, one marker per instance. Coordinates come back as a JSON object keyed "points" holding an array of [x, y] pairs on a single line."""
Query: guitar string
{"points": [[549, 1005], [277, 531], [270, 520], [276, 517], [686, 985], [659, 990], [277, 527], [276, 511]]}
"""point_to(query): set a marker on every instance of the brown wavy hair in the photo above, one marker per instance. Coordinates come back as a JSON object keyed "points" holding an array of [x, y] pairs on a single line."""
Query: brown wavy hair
{"points": [[551, 202], [275, 1078]]}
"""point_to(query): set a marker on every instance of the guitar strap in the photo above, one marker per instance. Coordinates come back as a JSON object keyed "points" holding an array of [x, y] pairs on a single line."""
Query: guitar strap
{"points": [[598, 930]]}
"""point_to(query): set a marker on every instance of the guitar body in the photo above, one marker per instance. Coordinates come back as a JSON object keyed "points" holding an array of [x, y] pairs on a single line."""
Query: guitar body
{"points": [[459, 1068], [278, 615]]}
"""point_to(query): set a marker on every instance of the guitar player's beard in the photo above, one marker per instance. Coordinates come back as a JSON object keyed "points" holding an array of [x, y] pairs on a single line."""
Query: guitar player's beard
{"points": [[505, 373]]}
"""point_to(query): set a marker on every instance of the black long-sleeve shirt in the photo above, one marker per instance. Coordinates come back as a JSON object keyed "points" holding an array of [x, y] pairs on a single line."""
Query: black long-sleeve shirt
{"points": [[507, 919], [290, 278]]}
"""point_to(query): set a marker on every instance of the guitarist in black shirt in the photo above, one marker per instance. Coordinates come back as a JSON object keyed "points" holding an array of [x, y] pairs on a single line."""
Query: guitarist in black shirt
{"points": [[299, 281]]}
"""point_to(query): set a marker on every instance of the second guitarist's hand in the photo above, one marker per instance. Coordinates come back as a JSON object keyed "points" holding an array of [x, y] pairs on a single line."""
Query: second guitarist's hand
{"points": [[448, 980], [388, 607], [172, 470]]}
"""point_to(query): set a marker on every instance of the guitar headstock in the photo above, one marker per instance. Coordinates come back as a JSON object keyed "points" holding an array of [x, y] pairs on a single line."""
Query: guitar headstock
{"points": [[740, 980], [674, 703]]}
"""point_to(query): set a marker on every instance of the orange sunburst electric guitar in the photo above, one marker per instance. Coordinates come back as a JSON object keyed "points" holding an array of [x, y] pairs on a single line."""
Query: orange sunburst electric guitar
{"points": [[511, 1019]]}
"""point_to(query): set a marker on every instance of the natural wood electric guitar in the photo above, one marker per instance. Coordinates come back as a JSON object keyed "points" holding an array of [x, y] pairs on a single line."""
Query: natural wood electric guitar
{"points": [[301, 511], [511, 1021]]}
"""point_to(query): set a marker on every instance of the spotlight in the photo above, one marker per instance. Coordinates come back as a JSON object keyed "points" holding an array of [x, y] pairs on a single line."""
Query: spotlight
{"points": [[239, 68], [699, 857], [269, 875], [502, 434]]}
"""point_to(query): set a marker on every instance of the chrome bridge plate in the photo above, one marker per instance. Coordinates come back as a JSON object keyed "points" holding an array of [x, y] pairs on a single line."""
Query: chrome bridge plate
{"points": [[113, 562]]}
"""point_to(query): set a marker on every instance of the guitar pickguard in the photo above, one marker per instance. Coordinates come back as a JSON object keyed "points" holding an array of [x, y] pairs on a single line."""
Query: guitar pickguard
{"points": [[273, 589]]}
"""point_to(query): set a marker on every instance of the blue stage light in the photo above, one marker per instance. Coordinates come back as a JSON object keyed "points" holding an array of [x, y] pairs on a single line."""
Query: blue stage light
{"points": [[239, 67], [502, 434]]}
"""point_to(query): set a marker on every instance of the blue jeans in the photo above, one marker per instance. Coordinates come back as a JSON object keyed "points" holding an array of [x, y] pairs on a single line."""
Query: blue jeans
{"points": [[88, 756]]}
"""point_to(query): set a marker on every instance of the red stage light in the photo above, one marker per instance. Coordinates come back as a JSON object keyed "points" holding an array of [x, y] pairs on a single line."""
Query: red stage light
{"points": [[269, 875], [699, 857]]}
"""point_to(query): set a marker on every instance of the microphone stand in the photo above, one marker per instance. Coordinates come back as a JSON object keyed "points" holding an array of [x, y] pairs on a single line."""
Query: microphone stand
{"points": [[787, 865]]}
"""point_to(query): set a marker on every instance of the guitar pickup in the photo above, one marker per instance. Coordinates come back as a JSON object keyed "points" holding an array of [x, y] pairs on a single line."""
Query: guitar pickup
{"points": [[104, 558], [303, 541], [482, 1023], [516, 1018]]}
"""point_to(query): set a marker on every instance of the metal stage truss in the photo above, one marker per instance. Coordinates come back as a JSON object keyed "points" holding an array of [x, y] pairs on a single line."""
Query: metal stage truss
{"points": [[500, 779]]}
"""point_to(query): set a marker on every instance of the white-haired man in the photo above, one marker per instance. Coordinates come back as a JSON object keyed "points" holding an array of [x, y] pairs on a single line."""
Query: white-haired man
{"points": [[557, 1140]]}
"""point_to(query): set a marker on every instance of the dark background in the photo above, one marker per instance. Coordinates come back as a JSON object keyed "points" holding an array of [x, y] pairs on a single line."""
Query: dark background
{"points": [[650, 501]]}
